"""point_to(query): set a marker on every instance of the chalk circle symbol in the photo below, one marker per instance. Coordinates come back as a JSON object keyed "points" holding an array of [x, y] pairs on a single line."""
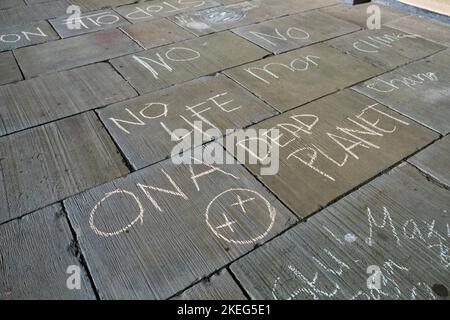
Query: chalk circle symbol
{"points": [[271, 213]]}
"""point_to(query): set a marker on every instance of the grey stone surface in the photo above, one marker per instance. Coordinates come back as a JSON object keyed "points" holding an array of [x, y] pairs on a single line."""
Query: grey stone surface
{"points": [[220, 286], [46, 164], [26, 35], [221, 18], [393, 231], [435, 160], [292, 79], [47, 98], [9, 70], [159, 68], [156, 33], [36, 252], [74, 52], [162, 8], [296, 31], [5, 4], [144, 127], [419, 90], [90, 5], [386, 48], [162, 228], [89, 22], [334, 144], [428, 28]]}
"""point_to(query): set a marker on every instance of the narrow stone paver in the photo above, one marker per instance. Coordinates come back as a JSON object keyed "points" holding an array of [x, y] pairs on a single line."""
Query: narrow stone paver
{"points": [[43, 99], [161, 228], [396, 240], [26, 35], [43, 165], [147, 129], [9, 70], [37, 252]]}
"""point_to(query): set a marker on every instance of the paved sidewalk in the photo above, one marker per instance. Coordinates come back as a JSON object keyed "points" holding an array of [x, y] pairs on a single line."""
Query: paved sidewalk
{"points": [[94, 206]]}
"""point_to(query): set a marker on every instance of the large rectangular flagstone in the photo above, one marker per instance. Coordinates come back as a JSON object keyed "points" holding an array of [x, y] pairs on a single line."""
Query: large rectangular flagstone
{"points": [[9, 70], [387, 48], [159, 68], [221, 18], [156, 33], [46, 164], [220, 286], [334, 144], [162, 8], [90, 5], [89, 22], [167, 226], [74, 52], [291, 79], [36, 252], [145, 126], [5, 4], [420, 90], [392, 234], [435, 160], [26, 35], [296, 31], [35, 101]]}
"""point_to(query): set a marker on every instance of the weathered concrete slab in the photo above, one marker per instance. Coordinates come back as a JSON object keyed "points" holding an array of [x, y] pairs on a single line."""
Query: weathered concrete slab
{"points": [[91, 5], [26, 14], [144, 127], [219, 287], [159, 68], [36, 252], [43, 165], [429, 29], [435, 160], [221, 18], [5, 4], [156, 33], [162, 8], [47, 98], [359, 15], [419, 90], [166, 226], [74, 52], [9, 70], [291, 79], [334, 144], [296, 31], [26, 35], [393, 231], [89, 22], [387, 48]]}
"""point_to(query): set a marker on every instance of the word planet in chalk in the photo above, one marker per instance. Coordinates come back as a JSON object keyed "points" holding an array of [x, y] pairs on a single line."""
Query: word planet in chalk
{"points": [[240, 216]]}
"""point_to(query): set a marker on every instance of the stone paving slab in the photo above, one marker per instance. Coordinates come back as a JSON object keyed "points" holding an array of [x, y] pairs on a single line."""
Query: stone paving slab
{"points": [[159, 68], [47, 98], [429, 29], [36, 252], [386, 48], [397, 224], [46, 164], [156, 33], [291, 79], [89, 22], [162, 8], [419, 90], [9, 70], [6, 4], [334, 144], [296, 31], [144, 127], [221, 18], [26, 14], [74, 52], [162, 228], [435, 160], [220, 286], [358, 14], [91, 5], [26, 35]]}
